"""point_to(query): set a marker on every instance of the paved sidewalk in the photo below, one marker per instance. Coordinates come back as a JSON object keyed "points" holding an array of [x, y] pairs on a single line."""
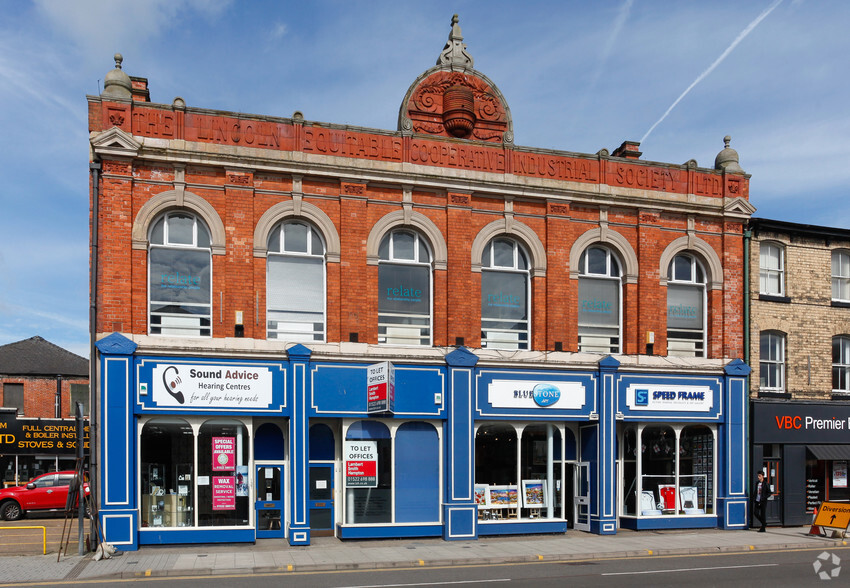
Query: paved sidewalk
{"points": [[327, 553]]}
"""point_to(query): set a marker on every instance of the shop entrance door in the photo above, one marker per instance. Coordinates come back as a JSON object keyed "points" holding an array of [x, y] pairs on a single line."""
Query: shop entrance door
{"points": [[773, 510], [269, 500], [321, 502], [581, 483]]}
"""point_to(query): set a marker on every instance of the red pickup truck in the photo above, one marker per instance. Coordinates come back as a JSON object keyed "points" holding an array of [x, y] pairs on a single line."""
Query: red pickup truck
{"points": [[47, 492]]}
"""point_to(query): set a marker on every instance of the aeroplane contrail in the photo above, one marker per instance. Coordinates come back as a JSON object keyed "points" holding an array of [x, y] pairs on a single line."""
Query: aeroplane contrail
{"points": [[741, 36]]}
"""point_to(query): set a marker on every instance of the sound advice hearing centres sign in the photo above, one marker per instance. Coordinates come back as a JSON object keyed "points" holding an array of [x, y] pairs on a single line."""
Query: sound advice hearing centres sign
{"points": [[210, 386]]}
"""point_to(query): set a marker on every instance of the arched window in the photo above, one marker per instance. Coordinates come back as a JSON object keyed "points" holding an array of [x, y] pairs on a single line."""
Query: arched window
{"points": [[599, 296], [686, 307], [841, 276], [841, 364], [180, 276], [772, 361], [505, 295], [404, 289], [295, 283], [771, 269]]}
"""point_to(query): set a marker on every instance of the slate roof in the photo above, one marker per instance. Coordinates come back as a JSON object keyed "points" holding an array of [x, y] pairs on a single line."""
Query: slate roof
{"points": [[37, 357]]}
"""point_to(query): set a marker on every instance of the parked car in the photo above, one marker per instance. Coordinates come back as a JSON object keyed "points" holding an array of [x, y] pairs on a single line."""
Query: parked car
{"points": [[47, 492]]}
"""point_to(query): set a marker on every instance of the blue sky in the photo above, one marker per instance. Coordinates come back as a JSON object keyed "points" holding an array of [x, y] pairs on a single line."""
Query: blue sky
{"points": [[577, 75]]}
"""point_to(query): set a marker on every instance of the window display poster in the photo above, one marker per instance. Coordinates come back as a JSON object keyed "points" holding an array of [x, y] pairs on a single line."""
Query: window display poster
{"points": [[361, 464], [224, 493], [223, 454], [839, 474]]}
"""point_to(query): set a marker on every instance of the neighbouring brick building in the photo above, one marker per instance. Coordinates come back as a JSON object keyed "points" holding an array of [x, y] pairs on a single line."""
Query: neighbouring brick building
{"points": [[799, 333], [40, 383], [307, 328]]}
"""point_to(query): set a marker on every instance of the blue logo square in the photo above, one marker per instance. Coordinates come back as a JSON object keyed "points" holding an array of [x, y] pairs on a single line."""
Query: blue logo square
{"points": [[642, 397]]}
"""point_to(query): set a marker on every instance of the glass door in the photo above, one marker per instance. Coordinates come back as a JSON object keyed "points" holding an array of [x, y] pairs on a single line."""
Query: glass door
{"points": [[321, 501], [269, 501], [581, 484]]}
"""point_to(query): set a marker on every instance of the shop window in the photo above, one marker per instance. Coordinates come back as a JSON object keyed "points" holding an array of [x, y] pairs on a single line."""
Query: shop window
{"points": [[676, 472], [658, 471], [841, 276], [772, 361], [841, 364], [179, 272], [13, 397], [417, 473], [269, 444], [222, 461], [321, 443], [404, 289], [167, 457], [496, 475], [599, 293], [696, 470], [295, 283], [370, 501], [771, 269], [505, 296], [540, 495], [686, 307]]}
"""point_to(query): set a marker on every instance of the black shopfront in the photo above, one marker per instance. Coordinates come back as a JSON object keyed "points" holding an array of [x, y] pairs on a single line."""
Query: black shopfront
{"points": [[804, 450]]}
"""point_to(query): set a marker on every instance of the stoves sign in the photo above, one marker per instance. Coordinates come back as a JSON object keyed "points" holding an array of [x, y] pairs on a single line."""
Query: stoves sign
{"points": [[380, 394]]}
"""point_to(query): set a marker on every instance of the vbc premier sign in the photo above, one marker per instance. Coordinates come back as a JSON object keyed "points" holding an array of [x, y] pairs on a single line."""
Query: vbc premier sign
{"points": [[788, 422], [361, 464], [211, 386], [380, 391], [669, 398], [531, 394]]}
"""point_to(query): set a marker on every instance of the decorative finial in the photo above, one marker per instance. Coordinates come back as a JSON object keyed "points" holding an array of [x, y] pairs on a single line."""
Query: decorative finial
{"points": [[119, 59], [727, 159], [117, 82], [454, 53]]}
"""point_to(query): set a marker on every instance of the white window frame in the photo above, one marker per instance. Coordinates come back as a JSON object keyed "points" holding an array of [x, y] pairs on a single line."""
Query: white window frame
{"points": [[767, 250], [398, 336], [776, 342], [510, 339], [178, 247], [610, 274], [294, 335], [838, 278], [843, 342], [681, 346]]}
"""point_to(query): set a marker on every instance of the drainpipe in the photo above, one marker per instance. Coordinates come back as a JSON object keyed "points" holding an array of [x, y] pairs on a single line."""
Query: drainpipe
{"points": [[94, 172], [748, 235]]}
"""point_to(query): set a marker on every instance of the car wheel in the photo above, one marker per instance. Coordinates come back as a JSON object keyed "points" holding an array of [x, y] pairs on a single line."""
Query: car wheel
{"points": [[11, 511]]}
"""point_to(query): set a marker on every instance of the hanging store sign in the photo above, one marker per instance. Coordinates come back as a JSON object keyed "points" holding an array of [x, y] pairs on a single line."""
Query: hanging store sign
{"points": [[669, 398], [380, 391], [536, 394], [361, 464], [211, 386]]}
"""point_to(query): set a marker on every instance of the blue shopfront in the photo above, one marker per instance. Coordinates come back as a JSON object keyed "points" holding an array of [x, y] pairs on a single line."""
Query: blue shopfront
{"points": [[206, 449]]}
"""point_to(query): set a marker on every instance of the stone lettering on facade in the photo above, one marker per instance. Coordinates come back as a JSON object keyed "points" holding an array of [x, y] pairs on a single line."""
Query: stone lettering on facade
{"points": [[645, 178], [238, 132], [330, 142], [561, 168], [153, 123], [460, 156]]}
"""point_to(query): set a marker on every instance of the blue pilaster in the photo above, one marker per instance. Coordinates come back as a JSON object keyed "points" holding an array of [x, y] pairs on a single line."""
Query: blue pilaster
{"points": [[732, 446], [116, 443], [460, 514], [298, 531], [603, 519]]}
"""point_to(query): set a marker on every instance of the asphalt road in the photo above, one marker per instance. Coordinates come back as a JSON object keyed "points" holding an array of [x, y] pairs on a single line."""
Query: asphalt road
{"points": [[17, 541], [757, 568]]}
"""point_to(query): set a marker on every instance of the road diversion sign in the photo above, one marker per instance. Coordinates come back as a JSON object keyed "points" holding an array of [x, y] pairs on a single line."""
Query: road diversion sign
{"points": [[835, 515]]}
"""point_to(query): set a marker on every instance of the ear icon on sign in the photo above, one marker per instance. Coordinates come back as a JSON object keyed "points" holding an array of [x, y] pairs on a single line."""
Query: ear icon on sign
{"points": [[171, 386]]}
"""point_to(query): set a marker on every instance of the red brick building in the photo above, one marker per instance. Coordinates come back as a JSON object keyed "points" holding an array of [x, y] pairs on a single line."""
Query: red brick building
{"points": [[224, 236], [40, 383]]}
